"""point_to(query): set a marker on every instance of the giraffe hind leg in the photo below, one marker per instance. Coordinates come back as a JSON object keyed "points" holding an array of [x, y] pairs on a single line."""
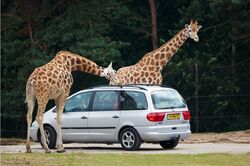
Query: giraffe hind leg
{"points": [[30, 100], [30, 104]]}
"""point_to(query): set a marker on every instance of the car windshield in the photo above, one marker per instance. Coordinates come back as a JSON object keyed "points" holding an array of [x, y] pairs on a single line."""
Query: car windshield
{"points": [[166, 99]]}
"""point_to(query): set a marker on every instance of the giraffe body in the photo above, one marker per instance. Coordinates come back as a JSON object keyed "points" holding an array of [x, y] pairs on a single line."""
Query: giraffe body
{"points": [[148, 69], [139, 73], [53, 81]]}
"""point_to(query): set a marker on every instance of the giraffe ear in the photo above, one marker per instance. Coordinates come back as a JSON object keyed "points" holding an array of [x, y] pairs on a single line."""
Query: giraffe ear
{"points": [[199, 27], [196, 22], [110, 66], [186, 26]]}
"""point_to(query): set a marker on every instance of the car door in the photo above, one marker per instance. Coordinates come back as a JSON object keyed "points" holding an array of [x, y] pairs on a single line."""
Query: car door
{"points": [[75, 118], [104, 116]]}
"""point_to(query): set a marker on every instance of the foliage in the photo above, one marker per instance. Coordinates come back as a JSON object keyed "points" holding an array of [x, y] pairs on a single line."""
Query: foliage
{"points": [[32, 32]]}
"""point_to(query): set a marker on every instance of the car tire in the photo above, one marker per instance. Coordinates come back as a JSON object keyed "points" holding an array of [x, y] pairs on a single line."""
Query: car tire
{"points": [[169, 144], [50, 135], [130, 139]]}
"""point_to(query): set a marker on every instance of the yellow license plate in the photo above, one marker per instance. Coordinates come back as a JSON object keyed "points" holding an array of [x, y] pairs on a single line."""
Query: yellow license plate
{"points": [[173, 116]]}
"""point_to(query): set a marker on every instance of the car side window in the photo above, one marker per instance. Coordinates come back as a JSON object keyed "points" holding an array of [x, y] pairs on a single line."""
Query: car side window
{"points": [[78, 103], [105, 101], [132, 100]]}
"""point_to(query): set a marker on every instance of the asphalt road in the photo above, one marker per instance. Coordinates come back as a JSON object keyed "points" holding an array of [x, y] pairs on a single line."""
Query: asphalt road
{"points": [[145, 148]]}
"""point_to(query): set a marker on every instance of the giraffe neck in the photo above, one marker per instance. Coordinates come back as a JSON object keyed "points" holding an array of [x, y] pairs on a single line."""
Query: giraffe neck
{"points": [[162, 55], [75, 62]]}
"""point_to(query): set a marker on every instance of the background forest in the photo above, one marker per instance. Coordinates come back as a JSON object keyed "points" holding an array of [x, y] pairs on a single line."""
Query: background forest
{"points": [[33, 31]]}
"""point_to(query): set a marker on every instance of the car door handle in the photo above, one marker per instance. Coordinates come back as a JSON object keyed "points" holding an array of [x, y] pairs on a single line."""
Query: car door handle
{"points": [[115, 116], [84, 117]]}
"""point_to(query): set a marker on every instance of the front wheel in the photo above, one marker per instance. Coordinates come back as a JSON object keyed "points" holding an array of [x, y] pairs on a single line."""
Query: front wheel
{"points": [[130, 139], [50, 136], [169, 144]]}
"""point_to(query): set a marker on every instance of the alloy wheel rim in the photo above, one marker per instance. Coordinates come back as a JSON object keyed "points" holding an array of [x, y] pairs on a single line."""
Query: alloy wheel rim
{"points": [[128, 139], [47, 136]]}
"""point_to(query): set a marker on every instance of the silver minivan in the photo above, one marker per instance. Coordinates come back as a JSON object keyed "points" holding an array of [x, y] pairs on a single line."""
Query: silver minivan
{"points": [[128, 115]]}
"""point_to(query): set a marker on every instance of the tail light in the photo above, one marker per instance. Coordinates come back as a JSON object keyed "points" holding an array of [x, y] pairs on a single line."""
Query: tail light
{"points": [[159, 116], [186, 115], [156, 116]]}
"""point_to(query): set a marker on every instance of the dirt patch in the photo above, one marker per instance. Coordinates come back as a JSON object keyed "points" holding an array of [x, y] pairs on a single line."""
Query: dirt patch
{"points": [[228, 137]]}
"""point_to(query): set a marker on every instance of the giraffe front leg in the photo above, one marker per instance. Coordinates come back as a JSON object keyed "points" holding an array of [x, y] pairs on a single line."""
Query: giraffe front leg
{"points": [[60, 148], [60, 106], [42, 102]]}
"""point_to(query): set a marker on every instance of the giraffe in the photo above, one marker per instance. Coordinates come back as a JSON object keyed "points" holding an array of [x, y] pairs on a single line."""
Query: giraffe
{"points": [[53, 81], [148, 69]]}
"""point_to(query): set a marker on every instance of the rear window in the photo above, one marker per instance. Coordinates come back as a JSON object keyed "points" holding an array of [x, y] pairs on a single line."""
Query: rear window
{"points": [[166, 99]]}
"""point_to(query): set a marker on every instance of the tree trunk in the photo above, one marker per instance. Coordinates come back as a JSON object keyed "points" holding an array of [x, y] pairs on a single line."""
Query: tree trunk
{"points": [[153, 24], [31, 33]]}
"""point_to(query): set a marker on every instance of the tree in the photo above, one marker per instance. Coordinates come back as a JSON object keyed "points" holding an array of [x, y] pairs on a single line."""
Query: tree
{"points": [[32, 32], [83, 27], [153, 24]]}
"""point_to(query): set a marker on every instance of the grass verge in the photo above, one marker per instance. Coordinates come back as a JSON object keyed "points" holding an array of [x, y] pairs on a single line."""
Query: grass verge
{"points": [[124, 159], [12, 141]]}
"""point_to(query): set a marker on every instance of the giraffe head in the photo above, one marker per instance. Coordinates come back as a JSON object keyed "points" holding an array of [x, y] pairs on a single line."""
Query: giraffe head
{"points": [[192, 30], [109, 73]]}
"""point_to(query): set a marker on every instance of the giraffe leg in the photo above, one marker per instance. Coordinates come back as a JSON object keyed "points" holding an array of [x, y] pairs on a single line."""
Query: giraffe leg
{"points": [[30, 104], [39, 119], [60, 102]]}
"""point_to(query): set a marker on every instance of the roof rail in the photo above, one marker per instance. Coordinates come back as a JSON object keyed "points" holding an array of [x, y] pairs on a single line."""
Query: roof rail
{"points": [[139, 86], [99, 86], [150, 85], [135, 85], [120, 86]]}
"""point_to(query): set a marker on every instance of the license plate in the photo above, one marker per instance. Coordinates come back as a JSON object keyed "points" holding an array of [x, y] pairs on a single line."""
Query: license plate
{"points": [[173, 116]]}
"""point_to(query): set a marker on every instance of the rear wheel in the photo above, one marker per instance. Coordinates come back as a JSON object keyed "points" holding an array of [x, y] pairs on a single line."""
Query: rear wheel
{"points": [[130, 139], [169, 144], [50, 136]]}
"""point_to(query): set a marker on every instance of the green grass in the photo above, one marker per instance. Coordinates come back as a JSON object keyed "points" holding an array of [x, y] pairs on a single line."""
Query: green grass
{"points": [[124, 159]]}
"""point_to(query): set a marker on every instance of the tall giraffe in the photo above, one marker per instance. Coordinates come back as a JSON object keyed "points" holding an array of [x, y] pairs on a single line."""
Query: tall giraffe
{"points": [[148, 69], [53, 81]]}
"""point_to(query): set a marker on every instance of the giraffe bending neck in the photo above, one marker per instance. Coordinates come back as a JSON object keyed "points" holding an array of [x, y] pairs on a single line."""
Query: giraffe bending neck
{"points": [[75, 62], [162, 55]]}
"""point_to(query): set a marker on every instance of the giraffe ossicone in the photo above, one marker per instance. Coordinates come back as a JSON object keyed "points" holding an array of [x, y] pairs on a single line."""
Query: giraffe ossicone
{"points": [[148, 69], [192, 30], [53, 81], [110, 74]]}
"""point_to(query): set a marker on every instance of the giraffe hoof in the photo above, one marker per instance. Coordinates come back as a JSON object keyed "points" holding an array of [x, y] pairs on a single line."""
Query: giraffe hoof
{"points": [[28, 151], [48, 151], [61, 151]]}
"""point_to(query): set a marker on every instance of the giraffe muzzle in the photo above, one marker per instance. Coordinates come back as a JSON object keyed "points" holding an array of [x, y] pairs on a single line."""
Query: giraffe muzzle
{"points": [[196, 39]]}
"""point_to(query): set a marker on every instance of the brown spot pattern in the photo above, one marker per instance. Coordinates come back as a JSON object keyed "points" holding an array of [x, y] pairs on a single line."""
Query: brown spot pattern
{"points": [[156, 56], [162, 56]]}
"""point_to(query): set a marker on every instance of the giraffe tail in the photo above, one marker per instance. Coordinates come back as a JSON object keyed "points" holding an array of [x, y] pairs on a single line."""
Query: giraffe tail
{"points": [[30, 96]]}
